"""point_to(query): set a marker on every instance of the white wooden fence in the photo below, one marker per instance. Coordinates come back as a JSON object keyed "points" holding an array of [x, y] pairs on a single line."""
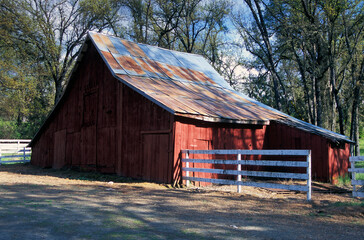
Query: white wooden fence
{"points": [[357, 190], [14, 150], [238, 162]]}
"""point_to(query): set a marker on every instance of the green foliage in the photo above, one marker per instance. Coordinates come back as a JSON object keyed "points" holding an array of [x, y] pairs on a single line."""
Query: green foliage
{"points": [[306, 56], [344, 180], [309, 59], [8, 130]]}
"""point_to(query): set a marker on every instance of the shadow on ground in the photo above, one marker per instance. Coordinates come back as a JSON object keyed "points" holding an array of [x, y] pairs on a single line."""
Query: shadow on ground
{"points": [[59, 210]]}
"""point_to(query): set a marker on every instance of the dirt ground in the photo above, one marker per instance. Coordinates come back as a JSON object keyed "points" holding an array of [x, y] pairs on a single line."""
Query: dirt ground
{"points": [[40, 203]]}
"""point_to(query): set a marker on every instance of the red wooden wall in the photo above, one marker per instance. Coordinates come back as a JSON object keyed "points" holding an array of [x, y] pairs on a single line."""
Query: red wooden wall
{"points": [[328, 160], [194, 134], [101, 124]]}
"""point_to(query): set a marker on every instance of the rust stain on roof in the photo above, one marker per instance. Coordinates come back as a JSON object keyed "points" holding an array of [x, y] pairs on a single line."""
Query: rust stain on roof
{"points": [[128, 63], [155, 67], [111, 60], [179, 72], [98, 40], [199, 101], [108, 44], [184, 90], [134, 49], [201, 76], [144, 65], [165, 70]]}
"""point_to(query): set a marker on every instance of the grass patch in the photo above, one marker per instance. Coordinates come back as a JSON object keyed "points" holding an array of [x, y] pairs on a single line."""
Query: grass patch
{"points": [[344, 180], [349, 204], [361, 145], [7, 157]]}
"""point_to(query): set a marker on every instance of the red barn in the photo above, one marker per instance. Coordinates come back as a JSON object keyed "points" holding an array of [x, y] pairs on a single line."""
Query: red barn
{"points": [[131, 108]]}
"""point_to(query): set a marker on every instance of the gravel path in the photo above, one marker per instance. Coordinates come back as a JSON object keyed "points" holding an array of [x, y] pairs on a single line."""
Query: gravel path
{"points": [[46, 204]]}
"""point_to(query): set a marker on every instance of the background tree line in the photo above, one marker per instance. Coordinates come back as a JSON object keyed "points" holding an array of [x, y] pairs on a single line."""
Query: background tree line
{"points": [[303, 57]]}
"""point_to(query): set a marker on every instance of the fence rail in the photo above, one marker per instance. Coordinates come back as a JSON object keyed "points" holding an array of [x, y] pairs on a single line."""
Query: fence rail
{"points": [[14, 151], [239, 173], [354, 169]]}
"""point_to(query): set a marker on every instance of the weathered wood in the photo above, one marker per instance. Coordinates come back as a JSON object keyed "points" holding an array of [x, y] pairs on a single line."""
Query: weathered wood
{"points": [[309, 184], [239, 169], [15, 140], [187, 172], [251, 152], [357, 182], [252, 184], [250, 173], [16, 156], [356, 170], [14, 161], [358, 194], [249, 162], [354, 182], [356, 159]]}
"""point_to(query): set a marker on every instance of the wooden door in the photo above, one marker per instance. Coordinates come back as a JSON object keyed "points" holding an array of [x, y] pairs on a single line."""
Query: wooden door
{"points": [[88, 131], [59, 158], [155, 160]]}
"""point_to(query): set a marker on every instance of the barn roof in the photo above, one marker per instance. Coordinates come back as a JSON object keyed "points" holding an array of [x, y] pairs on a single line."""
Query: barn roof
{"points": [[183, 84], [187, 85]]}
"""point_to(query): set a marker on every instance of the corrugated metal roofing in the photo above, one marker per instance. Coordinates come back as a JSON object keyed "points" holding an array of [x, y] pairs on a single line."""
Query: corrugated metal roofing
{"points": [[187, 85]]}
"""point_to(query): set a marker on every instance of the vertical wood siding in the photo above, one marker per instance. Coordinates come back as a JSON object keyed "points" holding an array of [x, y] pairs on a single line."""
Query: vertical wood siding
{"points": [[194, 134], [328, 161], [102, 125]]}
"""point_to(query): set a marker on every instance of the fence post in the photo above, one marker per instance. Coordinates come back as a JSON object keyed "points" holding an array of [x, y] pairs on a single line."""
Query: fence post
{"points": [[187, 172], [353, 177], [309, 183], [24, 154], [239, 176]]}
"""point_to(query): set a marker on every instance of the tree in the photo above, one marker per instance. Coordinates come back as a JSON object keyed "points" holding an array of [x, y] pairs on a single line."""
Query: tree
{"points": [[56, 29], [311, 53], [257, 38]]}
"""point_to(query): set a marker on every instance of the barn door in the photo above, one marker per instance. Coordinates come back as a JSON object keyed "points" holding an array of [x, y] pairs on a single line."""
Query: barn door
{"points": [[59, 157], [88, 131], [155, 157]]}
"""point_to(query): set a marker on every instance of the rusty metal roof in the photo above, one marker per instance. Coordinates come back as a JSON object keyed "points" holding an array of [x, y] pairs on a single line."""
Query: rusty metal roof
{"points": [[184, 84], [187, 85]]}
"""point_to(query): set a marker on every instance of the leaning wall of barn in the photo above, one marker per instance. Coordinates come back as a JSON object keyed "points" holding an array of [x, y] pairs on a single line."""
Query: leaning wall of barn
{"points": [[81, 131], [101, 124]]}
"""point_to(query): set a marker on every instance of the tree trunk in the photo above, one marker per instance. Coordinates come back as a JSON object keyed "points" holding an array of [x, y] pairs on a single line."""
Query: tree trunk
{"points": [[59, 91], [354, 131]]}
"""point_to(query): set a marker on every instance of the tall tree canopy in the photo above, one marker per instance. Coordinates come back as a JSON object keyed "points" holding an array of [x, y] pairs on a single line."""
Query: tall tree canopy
{"points": [[303, 57], [310, 58]]}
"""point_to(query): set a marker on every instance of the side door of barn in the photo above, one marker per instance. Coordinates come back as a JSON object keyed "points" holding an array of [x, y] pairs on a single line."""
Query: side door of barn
{"points": [[155, 157], [88, 130], [59, 157]]}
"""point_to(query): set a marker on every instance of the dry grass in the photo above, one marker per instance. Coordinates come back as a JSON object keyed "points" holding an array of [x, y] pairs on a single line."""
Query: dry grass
{"points": [[47, 204]]}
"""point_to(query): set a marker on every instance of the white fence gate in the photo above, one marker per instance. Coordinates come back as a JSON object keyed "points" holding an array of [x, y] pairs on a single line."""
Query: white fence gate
{"points": [[14, 150], [354, 169], [238, 162]]}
